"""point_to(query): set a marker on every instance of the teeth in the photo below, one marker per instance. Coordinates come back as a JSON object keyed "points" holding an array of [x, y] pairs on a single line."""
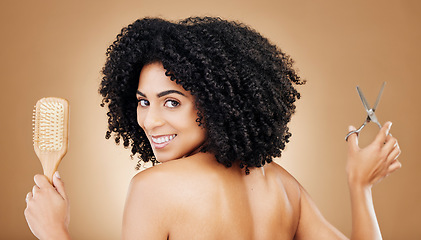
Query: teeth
{"points": [[163, 139]]}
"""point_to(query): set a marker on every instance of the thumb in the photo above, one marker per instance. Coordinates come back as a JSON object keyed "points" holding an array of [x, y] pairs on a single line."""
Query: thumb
{"points": [[352, 139], [59, 185]]}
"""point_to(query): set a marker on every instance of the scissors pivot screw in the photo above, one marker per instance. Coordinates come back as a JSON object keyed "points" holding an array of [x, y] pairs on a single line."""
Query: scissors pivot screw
{"points": [[371, 116]]}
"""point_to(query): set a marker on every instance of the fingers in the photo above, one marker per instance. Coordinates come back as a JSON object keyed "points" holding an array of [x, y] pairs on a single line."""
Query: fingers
{"points": [[383, 133], [394, 153], [35, 190], [59, 185], [394, 166], [390, 143], [352, 139], [41, 181], [28, 196], [393, 150]]}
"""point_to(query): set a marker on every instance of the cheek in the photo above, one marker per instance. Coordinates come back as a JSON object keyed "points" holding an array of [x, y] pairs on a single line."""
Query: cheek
{"points": [[139, 118], [200, 134], [191, 126], [185, 120]]}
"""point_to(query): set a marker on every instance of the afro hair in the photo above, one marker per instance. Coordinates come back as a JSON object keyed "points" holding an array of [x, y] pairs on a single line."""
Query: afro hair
{"points": [[242, 84]]}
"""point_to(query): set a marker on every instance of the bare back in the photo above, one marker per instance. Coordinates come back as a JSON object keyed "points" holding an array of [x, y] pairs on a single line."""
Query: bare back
{"points": [[198, 198]]}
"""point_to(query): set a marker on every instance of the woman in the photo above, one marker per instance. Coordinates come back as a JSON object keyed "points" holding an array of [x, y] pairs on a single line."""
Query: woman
{"points": [[210, 100]]}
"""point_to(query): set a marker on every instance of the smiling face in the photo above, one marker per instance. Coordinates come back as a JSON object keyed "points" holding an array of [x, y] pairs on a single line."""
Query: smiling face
{"points": [[167, 114]]}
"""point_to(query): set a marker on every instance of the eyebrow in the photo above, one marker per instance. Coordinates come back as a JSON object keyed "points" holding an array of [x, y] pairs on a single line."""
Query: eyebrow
{"points": [[161, 94]]}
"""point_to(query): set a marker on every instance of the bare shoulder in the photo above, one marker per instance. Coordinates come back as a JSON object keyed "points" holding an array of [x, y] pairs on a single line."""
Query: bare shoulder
{"points": [[168, 182], [312, 224], [157, 183], [156, 197], [292, 186], [201, 188]]}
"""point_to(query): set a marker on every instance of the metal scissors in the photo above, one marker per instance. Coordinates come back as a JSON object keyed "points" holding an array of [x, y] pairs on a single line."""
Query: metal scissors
{"points": [[371, 116]]}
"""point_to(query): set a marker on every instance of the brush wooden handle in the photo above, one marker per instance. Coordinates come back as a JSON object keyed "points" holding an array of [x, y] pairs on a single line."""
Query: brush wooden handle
{"points": [[50, 162]]}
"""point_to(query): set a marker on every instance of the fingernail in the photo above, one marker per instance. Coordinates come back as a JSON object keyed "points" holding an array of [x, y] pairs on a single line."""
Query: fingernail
{"points": [[350, 128], [57, 174], [388, 127]]}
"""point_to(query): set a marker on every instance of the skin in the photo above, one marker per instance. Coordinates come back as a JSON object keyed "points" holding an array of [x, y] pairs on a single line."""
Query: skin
{"points": [[47, 209], [191, 196], [165, 109]]}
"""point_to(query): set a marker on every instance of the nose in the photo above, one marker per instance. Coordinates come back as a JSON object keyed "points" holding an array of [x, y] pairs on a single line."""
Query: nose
{"points": [[152, 118]]}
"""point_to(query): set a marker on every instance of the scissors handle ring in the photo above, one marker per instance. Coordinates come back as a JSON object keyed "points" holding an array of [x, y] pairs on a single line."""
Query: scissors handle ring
{"points": [[352, 132]]}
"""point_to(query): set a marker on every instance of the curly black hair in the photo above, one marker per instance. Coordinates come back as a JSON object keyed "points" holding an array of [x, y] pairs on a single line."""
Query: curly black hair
{"points": [[242, 84]]}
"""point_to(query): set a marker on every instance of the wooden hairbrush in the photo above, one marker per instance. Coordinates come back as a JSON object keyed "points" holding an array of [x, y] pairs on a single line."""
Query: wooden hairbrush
{"points": [[50, 125]]}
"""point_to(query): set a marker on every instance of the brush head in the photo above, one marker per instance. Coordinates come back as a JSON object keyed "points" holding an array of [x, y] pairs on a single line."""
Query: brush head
{"points": [[50, 124]]}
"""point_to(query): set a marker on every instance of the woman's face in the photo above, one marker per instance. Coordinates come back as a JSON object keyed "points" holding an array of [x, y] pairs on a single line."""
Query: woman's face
{"points": [[167, 114]]}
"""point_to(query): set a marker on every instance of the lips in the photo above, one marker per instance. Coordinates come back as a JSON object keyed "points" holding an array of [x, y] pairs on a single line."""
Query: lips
{"points": [[161, 141]]}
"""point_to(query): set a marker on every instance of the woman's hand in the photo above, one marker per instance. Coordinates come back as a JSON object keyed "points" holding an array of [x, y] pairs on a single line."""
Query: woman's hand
{"points": [[369, 165], [47, 210]]}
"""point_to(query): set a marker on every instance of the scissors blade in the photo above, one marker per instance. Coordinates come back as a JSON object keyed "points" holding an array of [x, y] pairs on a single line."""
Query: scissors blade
{"points": [[372, 116], [378, 97], [365, 103]]}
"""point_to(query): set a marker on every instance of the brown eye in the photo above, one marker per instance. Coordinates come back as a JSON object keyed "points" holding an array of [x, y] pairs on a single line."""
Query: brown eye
{"points": [[171, 103], [143, 102]]}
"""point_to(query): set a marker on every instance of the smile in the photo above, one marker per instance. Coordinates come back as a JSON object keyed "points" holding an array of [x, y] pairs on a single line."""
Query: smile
{"points": [[162, 141]]}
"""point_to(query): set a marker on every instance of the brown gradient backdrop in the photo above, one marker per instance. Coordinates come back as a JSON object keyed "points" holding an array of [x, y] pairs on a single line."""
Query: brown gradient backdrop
{"points": [[57, 48]]}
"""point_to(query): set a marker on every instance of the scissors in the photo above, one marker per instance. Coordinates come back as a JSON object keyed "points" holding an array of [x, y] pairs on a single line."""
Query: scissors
{"points": [[371, 116]]}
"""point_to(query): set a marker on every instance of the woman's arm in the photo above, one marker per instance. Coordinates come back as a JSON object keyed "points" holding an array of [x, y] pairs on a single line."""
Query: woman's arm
{"points": [[365, 167], [47, 209]]}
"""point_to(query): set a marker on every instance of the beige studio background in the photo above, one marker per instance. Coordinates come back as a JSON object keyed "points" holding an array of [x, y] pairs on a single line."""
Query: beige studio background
{"points": [[57, 48]]}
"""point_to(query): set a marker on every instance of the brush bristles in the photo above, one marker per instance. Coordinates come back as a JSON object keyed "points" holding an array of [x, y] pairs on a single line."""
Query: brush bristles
{"points": [[48, 126]]}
